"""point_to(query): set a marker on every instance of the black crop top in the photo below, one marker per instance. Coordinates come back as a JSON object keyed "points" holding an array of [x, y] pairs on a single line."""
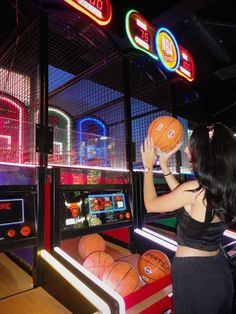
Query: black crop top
{"points": [[204, 236]]}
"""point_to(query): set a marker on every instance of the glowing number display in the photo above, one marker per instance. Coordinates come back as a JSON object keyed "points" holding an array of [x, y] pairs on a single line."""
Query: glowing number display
{"points": [[98, 10], [104, 203], [167, 49], [140, 33], [186, 67], [120, 204], [159, 44]]}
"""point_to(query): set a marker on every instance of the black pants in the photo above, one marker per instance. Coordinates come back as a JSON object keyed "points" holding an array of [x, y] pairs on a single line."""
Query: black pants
{"points": [[202, 285]]}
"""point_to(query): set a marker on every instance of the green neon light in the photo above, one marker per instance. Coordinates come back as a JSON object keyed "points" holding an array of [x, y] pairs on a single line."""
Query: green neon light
{"points": [[131, 38]]}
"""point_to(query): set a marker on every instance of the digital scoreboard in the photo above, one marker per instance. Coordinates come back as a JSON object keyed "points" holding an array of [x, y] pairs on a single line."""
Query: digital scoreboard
{"points": [[98, 10], [84, 209], [141, 33], [186, 66], [102, 203]]}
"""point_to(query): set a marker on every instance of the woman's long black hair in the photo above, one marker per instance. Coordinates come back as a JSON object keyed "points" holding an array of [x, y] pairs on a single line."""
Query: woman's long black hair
{"points": [[213, 157]]}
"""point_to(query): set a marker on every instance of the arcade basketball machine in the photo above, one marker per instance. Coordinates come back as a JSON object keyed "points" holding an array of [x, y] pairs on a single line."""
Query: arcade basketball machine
{"points": [[19, 175], [92, 189], [23, 160]]}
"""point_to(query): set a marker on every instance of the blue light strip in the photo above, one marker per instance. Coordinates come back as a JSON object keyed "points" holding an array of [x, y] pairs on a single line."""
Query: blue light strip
{"points": [[104, 128]]}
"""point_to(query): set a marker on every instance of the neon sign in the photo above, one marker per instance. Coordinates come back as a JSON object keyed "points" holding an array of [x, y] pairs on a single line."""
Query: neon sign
{"points": [[92, 142], [12, 127], [98, 10], [186, 67], [62, 120], [104, 203], [140, 33], [167, 49]]}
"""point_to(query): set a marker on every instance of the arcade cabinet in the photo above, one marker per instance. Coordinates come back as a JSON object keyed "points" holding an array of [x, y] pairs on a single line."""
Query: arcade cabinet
{"points": [[22, 174], [94, 192]]}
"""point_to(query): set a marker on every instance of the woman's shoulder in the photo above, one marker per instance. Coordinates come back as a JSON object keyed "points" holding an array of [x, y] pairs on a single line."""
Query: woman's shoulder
{"points": [[191, 186], [194, 192]]}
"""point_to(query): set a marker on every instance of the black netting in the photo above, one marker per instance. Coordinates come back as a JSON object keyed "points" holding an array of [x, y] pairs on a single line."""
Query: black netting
{"points": [[86, 92], [151, 97], [19, 88], [86, 96], [75, 46]]}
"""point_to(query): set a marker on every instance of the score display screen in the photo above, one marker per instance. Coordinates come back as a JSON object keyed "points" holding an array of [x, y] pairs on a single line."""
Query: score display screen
{"points": [[141, 33], [98, 10], [104, 203], [84, 209], [186, 67], [11, 211]]}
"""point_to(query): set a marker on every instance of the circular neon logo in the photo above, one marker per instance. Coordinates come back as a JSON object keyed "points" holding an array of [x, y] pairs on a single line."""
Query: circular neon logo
{"points": [[167, 49]]}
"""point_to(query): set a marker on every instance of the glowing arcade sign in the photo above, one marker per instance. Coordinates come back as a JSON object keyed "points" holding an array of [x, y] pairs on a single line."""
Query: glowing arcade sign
{"points": [[104, 203], [140, 33], [91, 149], [167, 49], [98, 10], [12, 128], [60, 119], [186, 67]]}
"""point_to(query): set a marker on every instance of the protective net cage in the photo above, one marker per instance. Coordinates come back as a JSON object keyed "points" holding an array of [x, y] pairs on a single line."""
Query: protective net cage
{"points": [[19, 96], [151, 97], [86, 99]]}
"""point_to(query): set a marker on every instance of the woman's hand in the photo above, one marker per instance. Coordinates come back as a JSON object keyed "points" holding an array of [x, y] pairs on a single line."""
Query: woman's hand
{"points": [[148, 153], [164, 157]]}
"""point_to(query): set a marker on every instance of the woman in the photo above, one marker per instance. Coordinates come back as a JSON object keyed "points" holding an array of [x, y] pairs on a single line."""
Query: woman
{"points": [[201, 278]]}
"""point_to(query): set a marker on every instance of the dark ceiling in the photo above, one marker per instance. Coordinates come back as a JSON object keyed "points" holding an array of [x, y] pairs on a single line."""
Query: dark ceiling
{"points": [[206, 28]]}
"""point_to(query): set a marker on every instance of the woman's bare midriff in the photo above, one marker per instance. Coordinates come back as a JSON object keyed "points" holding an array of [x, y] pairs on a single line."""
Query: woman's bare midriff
{"points": [[184, 251]]}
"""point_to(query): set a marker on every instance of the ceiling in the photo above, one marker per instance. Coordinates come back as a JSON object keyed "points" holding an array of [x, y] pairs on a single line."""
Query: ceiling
{"points": [[206, 28]]}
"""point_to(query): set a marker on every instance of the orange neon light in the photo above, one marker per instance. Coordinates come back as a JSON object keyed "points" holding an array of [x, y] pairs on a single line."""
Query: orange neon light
{"points": [[98, 10]]}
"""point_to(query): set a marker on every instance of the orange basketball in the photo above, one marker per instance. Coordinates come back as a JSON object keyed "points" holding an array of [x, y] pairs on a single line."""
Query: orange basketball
{"points": [[97, 263], [121, 277], [153, 265], [166, 132], [91, 243]]}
